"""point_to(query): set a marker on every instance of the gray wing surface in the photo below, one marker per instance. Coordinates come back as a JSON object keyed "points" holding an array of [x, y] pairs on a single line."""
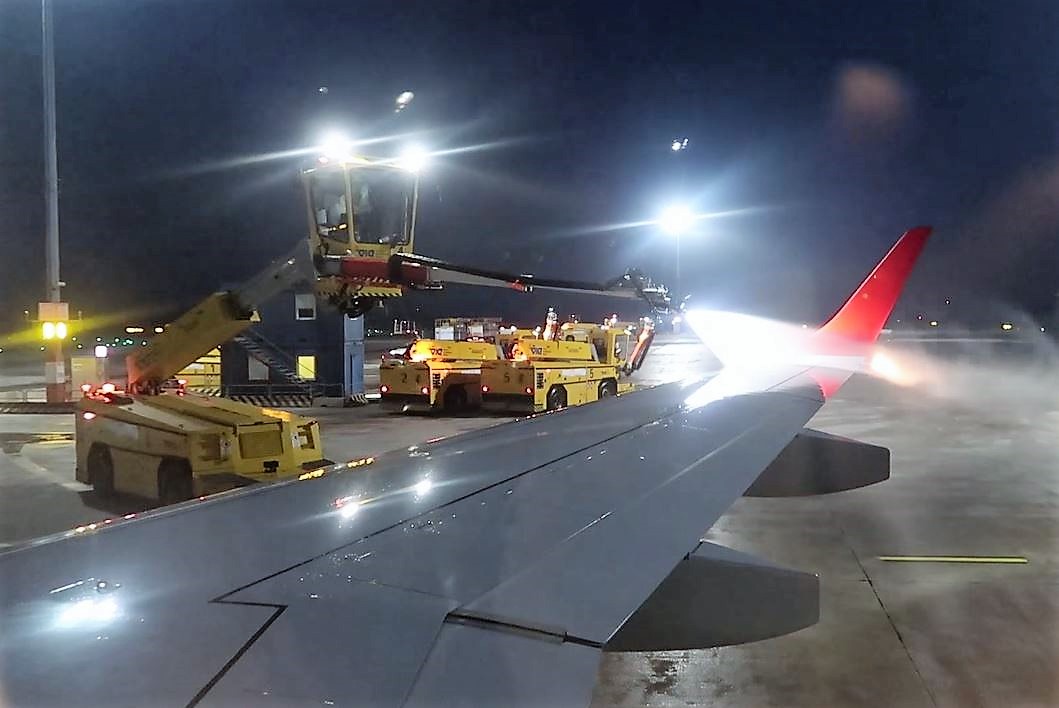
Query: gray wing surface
{"points": [[488, 569]]}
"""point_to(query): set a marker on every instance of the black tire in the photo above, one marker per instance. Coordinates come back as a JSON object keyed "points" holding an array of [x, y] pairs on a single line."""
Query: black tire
{"points": [[556, 398], [455, 399], [608, 388], [174, 481], [101, 470]]}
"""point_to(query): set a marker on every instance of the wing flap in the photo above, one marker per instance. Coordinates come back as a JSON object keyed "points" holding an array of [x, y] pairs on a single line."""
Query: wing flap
{"points": [[478, 666], [336, 640], [719, 597], [815, 462]]}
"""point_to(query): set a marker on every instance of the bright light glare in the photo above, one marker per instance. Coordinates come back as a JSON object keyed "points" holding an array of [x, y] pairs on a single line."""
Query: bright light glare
{"points": [[754, 342], [88, 611], [422, 487], [413, 159], [60, 330], [347, 507], [676, 219], [403, 99], [48, 330], [887, 366], [675, 147], [101, 351], [336, 146], [742, 340], [884, 366]]}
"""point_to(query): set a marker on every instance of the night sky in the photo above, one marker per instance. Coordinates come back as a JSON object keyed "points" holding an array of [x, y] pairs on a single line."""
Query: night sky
{"points": [[828, 127]]}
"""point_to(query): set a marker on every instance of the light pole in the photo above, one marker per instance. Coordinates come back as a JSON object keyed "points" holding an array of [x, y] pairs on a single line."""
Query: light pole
{"points": [[52, 309], [675, 220], [51, 168]]}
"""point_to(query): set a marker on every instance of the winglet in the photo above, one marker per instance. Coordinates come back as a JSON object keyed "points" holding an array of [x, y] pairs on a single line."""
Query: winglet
{"points": [[862, 316]]}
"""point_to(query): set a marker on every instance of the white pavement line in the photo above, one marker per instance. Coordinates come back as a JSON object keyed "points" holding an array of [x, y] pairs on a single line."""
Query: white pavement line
{"points": [[27, 465]]}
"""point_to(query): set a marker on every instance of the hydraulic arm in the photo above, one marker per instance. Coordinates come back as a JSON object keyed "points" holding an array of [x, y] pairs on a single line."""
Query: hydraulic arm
{"points": [[214, 321]]}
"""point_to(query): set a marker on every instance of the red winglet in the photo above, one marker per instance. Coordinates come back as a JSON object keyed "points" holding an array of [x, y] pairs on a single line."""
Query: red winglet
{"points": [[862, 316]]}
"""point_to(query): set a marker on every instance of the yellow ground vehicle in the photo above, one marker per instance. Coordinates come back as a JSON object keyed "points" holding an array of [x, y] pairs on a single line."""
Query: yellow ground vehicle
{"points": [[158, 442], [435, 374], [173, 447], [578, 363], [438, 374]]}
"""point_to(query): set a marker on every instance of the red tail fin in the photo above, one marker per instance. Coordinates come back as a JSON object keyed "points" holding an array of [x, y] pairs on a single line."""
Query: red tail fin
{"points": [[862, 316]]}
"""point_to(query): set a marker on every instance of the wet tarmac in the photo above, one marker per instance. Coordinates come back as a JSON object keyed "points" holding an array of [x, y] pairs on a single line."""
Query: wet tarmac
{"points": [[974, 477]]}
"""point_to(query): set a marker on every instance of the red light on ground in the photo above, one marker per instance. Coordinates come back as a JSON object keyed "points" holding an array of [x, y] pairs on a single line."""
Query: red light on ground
{"points": [[384, 389], [86, 387], [88, 415], [424, 390], [108, 388]]}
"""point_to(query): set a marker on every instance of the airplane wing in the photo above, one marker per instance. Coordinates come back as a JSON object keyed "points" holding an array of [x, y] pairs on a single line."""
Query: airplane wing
{"points": [[489, 569]]}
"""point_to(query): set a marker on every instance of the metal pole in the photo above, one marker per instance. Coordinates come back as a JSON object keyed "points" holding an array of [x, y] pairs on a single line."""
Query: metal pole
{"points": [[53, 286], [679, 291], [54, 366]]}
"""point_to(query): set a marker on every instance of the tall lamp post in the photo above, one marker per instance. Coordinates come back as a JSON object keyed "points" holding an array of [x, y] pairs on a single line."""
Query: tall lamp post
{"points": [[676, 220], [52, 312]]}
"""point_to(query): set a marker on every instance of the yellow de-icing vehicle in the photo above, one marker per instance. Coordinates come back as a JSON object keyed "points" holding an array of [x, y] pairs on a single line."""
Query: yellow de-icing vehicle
{"points": [[435, 374], [439, 374], [575, 364], [155, 440], [152, 439]]}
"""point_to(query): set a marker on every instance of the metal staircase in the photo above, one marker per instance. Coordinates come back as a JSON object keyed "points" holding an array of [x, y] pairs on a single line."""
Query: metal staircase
{"points": [[277, 361]]}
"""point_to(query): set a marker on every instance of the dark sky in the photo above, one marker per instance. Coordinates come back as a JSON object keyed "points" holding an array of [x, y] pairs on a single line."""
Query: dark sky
{"points": [[835, 125]]}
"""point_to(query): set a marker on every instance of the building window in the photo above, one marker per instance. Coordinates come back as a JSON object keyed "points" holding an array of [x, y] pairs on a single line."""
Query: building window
{"points": [[304, 306], [257, 370], [307, 367]]}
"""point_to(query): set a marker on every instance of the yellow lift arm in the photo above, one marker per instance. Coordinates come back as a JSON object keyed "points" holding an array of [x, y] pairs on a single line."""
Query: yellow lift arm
{"points": [[214, 321]]}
